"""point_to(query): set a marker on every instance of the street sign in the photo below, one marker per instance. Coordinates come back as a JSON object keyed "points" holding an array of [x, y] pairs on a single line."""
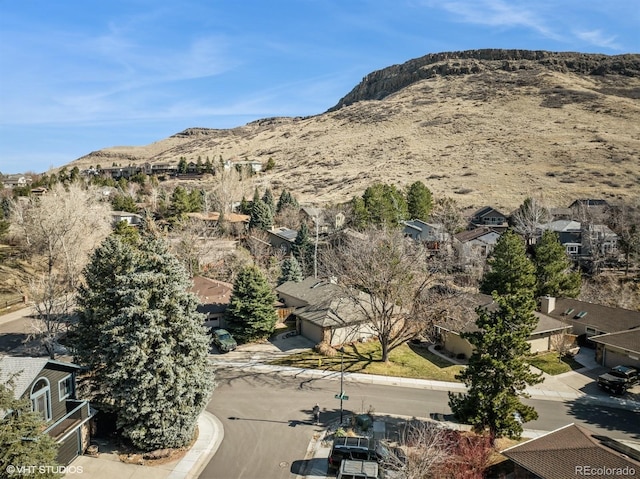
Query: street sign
{"points": [[342, 396]]}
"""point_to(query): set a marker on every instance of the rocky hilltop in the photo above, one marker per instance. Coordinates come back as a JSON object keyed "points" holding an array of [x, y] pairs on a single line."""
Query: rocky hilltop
{"points": [[482, 126]]}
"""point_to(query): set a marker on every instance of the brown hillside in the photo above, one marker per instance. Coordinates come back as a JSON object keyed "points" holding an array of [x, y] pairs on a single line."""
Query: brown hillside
{"points": [[485, 127]]}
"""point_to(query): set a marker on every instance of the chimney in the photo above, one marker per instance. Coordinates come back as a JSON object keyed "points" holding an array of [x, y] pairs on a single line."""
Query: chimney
{"points": [[547, 304]]}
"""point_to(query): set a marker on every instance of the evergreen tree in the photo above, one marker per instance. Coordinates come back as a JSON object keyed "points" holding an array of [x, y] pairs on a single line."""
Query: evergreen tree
{"points": [[419, 201], [261, 215], [182, 165], [126, 232], [144, 343], [498, 370], [510, 269], [553, 268], [302, 249], [291, 271], [245, 206], [124, 203], [251, 315], [208, 166], [285, 200], [385, 205], [22, 442], [269, 200]]}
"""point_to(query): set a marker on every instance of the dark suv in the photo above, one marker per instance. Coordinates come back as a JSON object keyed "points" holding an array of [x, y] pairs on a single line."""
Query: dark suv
{"points": [[352, 448], [619, 379]]}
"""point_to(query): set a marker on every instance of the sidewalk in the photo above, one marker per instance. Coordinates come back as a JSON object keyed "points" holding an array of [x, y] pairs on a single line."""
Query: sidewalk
{"points": [[108, 465]]}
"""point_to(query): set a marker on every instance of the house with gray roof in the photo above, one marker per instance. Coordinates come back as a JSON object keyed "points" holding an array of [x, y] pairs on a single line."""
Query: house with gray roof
{"points": [[50, 386], [615, 328], [573, 451], [543, 338], [622, 347], [475, 245], [282, 238], [325, 312]]}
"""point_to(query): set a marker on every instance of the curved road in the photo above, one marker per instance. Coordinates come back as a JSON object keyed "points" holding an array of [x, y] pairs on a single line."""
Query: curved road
{"points": [[267, 428]]}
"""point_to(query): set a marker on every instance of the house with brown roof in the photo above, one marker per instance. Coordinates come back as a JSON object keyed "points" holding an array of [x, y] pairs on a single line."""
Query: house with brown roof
{"points": [[50, 387], [474, 245], [542, 339], [573, 451], [616, 329], [214, 299]]}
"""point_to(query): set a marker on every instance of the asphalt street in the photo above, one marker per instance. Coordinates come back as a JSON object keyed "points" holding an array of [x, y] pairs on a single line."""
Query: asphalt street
{"points": [[267, 418]]}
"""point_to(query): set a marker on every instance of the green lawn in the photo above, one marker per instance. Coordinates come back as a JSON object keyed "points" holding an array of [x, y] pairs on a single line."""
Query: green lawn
{"points": [[551, 364], [406, 361]]}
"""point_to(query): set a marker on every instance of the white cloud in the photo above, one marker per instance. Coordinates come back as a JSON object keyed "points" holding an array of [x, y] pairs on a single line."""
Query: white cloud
{"points": [[498, 13], [599, 39]]}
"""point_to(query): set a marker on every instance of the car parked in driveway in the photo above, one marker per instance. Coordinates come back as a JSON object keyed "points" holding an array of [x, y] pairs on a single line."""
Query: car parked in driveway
{"points": [[223, 340]]}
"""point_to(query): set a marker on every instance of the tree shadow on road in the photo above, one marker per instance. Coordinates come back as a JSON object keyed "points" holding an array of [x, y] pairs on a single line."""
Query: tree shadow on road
{"points": [[611, 419]]}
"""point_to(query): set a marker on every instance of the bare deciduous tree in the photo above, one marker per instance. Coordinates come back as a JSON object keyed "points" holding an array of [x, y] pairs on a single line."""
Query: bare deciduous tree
{"points": [[426, 446], [193, 243], [230, 185], [391, 280], [528, 218], [62, 228]]}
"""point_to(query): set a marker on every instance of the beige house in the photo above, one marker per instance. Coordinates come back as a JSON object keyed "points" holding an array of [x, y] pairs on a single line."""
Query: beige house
{"points": [[547, 333], [324, 312], [622, 347]]}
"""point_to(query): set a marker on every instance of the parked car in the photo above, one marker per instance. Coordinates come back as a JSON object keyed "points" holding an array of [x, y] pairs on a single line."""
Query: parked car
{"points": [[223, 340], [350, 448], [619, 379], [357, 469]]}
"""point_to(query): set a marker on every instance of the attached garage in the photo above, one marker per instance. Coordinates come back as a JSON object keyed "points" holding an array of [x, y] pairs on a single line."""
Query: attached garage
{"points": [[618, 348]]}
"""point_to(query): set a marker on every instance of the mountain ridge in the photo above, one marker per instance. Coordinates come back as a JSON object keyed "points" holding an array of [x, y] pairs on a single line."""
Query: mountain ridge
{"points": [[483, 126]]}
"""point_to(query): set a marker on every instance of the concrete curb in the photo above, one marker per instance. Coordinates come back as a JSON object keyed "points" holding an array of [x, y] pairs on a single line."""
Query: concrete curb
{"points": [[210, 434]]}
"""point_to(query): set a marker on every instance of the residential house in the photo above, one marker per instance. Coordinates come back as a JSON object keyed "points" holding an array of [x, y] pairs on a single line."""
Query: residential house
{"points": [[50, 386], [569, 234], [613, 331], [432, 234], [598, 240], [573, 451], [132, 219], [476, 244], [595, 209], [254, 166], [489, 216], [326, 222], [542, 339], [214, 297], [15, 181], [164, 169], [589, 319], [622, 347], [282, 238], [324, 312]]}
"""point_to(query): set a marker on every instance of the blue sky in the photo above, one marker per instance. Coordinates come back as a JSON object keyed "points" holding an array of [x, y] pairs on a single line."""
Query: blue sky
{"points": [[77, 76]]}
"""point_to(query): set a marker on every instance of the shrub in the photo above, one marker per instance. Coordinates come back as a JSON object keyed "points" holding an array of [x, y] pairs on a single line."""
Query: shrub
{"points": [[325, 349]]}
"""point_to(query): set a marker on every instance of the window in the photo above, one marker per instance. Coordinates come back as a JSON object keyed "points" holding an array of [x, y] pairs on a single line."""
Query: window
{"points": [[41, 398], [590, 331], [65, 387]]}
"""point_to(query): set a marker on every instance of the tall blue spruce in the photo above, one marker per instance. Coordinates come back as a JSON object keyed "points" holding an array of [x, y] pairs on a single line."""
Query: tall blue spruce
{"points": [[144, 343]]}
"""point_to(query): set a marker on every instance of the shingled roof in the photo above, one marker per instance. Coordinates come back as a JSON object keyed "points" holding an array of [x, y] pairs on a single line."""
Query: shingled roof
{"points": [[24, 370], [629, 340], [602, 318], [567, 451]]}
